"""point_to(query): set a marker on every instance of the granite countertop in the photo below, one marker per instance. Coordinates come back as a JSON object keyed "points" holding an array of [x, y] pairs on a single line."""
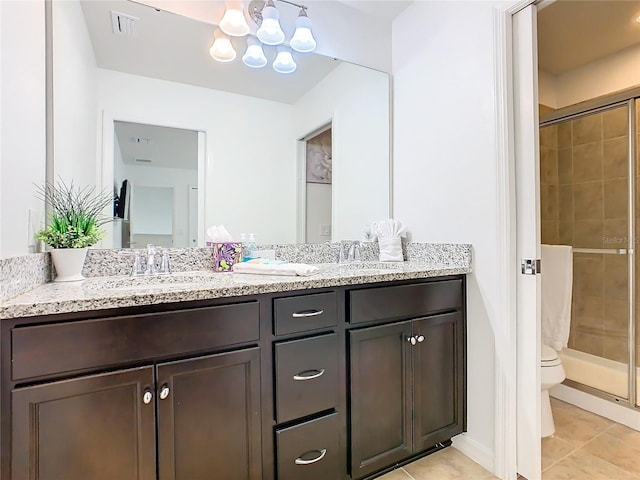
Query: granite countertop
{"points": [[98, 293]]}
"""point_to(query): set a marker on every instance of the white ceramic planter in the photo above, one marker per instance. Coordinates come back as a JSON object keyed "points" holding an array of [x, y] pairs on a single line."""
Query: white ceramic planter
{"points": [[68, 263]]}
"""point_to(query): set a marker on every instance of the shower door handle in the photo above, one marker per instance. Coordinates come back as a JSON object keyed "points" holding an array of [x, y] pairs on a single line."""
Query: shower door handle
{"points": [[530, 266]]}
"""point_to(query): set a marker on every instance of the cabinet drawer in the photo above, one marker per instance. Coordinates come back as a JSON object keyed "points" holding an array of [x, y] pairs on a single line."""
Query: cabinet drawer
{"points": [[305, 312], [309, 450], [80, 345], [306, 376], [403, 301]]}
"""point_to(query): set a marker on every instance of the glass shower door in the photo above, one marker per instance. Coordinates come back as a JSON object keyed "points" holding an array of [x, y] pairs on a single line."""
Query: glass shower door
{"points": [[585, 199]]}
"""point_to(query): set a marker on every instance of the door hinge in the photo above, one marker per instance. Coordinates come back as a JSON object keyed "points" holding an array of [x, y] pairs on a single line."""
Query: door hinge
{"points": [[530, 266]]}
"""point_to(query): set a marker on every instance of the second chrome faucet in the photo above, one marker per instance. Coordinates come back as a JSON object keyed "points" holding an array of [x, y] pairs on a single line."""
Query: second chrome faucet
{"points": [[151, 265]]}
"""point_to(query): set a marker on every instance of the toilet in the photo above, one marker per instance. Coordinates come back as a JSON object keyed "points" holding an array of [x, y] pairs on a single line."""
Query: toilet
{"points": [[556, 287], [552, 374]]}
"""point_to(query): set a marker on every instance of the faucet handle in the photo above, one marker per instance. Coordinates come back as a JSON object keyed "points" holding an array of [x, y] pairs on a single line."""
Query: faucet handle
{"points": [[137, 268], [356, 251], [165, 267]]}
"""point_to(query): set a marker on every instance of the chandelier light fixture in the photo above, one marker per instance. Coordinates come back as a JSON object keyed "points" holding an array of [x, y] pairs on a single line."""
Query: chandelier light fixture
{"points": [[269, 33]]}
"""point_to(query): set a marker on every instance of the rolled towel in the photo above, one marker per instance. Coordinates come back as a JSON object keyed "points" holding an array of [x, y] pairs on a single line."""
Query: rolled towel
{"points": [[390, 249], [267, 268]]}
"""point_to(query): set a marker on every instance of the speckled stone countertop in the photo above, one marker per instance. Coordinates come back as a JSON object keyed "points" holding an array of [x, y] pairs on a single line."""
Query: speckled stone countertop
{"points": [[98, 293]]}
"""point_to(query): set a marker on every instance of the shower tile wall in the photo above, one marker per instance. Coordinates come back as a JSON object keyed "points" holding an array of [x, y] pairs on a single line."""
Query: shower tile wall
{"points": [[584, 203]]}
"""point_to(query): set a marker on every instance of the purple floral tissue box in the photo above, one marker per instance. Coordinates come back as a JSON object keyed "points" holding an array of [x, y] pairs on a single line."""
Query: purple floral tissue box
{"points": [[225, 255]]}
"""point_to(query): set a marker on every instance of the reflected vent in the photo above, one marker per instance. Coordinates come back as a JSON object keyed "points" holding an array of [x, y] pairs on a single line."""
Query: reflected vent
{"points": [[123, 24], [143, 160]]}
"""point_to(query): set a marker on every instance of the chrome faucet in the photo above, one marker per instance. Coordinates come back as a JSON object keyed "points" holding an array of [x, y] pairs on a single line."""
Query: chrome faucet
{"points": [[349, 251], [354, 252]]}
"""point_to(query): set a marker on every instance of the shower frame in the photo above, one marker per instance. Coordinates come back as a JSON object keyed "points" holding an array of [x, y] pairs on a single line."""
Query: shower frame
{"points": [[600, 104]]}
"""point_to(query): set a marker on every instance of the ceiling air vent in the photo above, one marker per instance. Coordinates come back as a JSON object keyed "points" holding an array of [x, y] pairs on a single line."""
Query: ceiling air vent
{"points": [[123, 24], [143, 160]]}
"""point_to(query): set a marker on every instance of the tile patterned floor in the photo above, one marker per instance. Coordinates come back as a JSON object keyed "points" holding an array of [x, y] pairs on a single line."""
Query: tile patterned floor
{"points": [[584, 447], [587, 446], [447, 464]]}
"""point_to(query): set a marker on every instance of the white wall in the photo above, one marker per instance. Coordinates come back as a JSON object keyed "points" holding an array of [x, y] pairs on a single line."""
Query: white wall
{"points": [[22, 123], [445, 169], [360, 143], [74, 90], [179, 179], [547, 89], [250, 167], [614, 73]]}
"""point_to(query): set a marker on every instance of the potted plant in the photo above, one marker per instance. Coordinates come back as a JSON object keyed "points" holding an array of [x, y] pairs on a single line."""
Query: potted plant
{"points": [[75, 224]]}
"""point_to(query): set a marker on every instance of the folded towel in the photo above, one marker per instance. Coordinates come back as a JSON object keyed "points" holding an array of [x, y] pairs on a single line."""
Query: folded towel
{"points": [[300, 269], [556, 285]]}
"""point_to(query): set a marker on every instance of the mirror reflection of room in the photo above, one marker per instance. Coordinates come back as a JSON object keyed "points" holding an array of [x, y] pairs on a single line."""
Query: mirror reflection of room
{"points": [[319, 170], [250, 174], [155, 179]]}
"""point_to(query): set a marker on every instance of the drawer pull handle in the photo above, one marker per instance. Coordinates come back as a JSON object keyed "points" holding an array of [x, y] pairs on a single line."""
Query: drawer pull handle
{"points": [[301, 461], [301, 377], [308, 313], [147, 397]]}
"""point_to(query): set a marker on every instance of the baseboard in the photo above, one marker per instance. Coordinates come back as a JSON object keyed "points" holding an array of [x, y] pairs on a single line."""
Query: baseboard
{"points": [[474, 450], [605, 408]]}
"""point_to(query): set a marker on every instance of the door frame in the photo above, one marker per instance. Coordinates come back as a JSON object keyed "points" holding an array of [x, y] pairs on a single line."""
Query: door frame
{"points": [[506, 375]]}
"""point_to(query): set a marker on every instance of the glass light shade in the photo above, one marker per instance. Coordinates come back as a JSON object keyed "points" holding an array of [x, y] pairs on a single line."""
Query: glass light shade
{"points": [[270, 32], [233, 22], [222, 50], [302, 40], [254, 56], [284, 62]]}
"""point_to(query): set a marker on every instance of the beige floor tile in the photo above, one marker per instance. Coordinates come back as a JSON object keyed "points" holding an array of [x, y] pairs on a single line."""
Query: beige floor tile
{"points": [[447, 464], [554, 449], [581, 466], [575, 425], [395, 475], [620, 446]]}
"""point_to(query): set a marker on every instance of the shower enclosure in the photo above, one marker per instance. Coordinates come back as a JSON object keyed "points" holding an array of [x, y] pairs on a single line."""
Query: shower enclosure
{"points": [[590, 199]]}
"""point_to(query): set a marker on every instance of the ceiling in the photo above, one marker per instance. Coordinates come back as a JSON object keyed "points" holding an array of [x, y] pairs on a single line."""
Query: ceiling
{"points": [[163, 146], [387, 9], [176, 48], [574, 33]]}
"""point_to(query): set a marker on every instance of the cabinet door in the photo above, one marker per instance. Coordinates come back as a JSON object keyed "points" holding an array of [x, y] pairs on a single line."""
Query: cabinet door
{"points": [[380, 397], [438, 375], [95, 427], [209, 417]]}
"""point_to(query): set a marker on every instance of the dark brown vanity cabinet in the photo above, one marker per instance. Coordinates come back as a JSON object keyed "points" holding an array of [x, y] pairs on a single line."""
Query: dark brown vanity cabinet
{"points": [[307, 389], [188, 419], [407, 381]]}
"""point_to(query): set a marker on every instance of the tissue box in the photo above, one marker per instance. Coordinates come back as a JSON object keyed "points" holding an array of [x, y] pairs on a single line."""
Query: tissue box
{"points": [[225, 255]]}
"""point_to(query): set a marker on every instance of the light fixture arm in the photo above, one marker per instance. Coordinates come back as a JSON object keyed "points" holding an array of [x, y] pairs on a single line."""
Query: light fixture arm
{"points": [[256, 6]]}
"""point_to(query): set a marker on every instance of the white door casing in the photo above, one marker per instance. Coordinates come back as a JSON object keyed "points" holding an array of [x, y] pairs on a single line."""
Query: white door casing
{"points": [[527, 171]]}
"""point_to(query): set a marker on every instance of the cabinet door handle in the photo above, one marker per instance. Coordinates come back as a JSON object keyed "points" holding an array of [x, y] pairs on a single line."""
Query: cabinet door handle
{"points": [[420, 338], [147, 396], [301, 377], [308, 313], [301, 461], [164, 392], [412, 340]]}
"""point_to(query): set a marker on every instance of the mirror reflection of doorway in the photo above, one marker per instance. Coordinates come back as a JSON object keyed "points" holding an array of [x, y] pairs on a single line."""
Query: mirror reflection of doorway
{"points": [[318, 187], [160, 167]]}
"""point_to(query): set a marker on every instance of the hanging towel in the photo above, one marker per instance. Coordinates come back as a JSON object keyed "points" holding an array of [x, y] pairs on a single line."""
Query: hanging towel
{"points": [[557, 285]]}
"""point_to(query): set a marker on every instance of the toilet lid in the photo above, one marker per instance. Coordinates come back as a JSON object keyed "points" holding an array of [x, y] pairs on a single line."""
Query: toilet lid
{"points": [[548, 354]]}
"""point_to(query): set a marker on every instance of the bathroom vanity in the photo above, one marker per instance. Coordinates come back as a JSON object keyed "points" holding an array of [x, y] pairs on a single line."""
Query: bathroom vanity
{"points": [[340, 376]]}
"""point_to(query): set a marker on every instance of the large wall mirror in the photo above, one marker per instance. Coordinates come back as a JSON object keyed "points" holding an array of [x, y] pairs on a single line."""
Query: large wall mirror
{"points": [[292, 158]]}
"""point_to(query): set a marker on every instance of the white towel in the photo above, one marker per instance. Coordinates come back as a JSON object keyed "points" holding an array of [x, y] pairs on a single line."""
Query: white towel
{"points": [[557, 284], [300, 269]]}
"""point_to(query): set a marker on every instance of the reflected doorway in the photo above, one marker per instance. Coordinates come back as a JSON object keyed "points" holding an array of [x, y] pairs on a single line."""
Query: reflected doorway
{"points": [[318, 187], [155, 180]]}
